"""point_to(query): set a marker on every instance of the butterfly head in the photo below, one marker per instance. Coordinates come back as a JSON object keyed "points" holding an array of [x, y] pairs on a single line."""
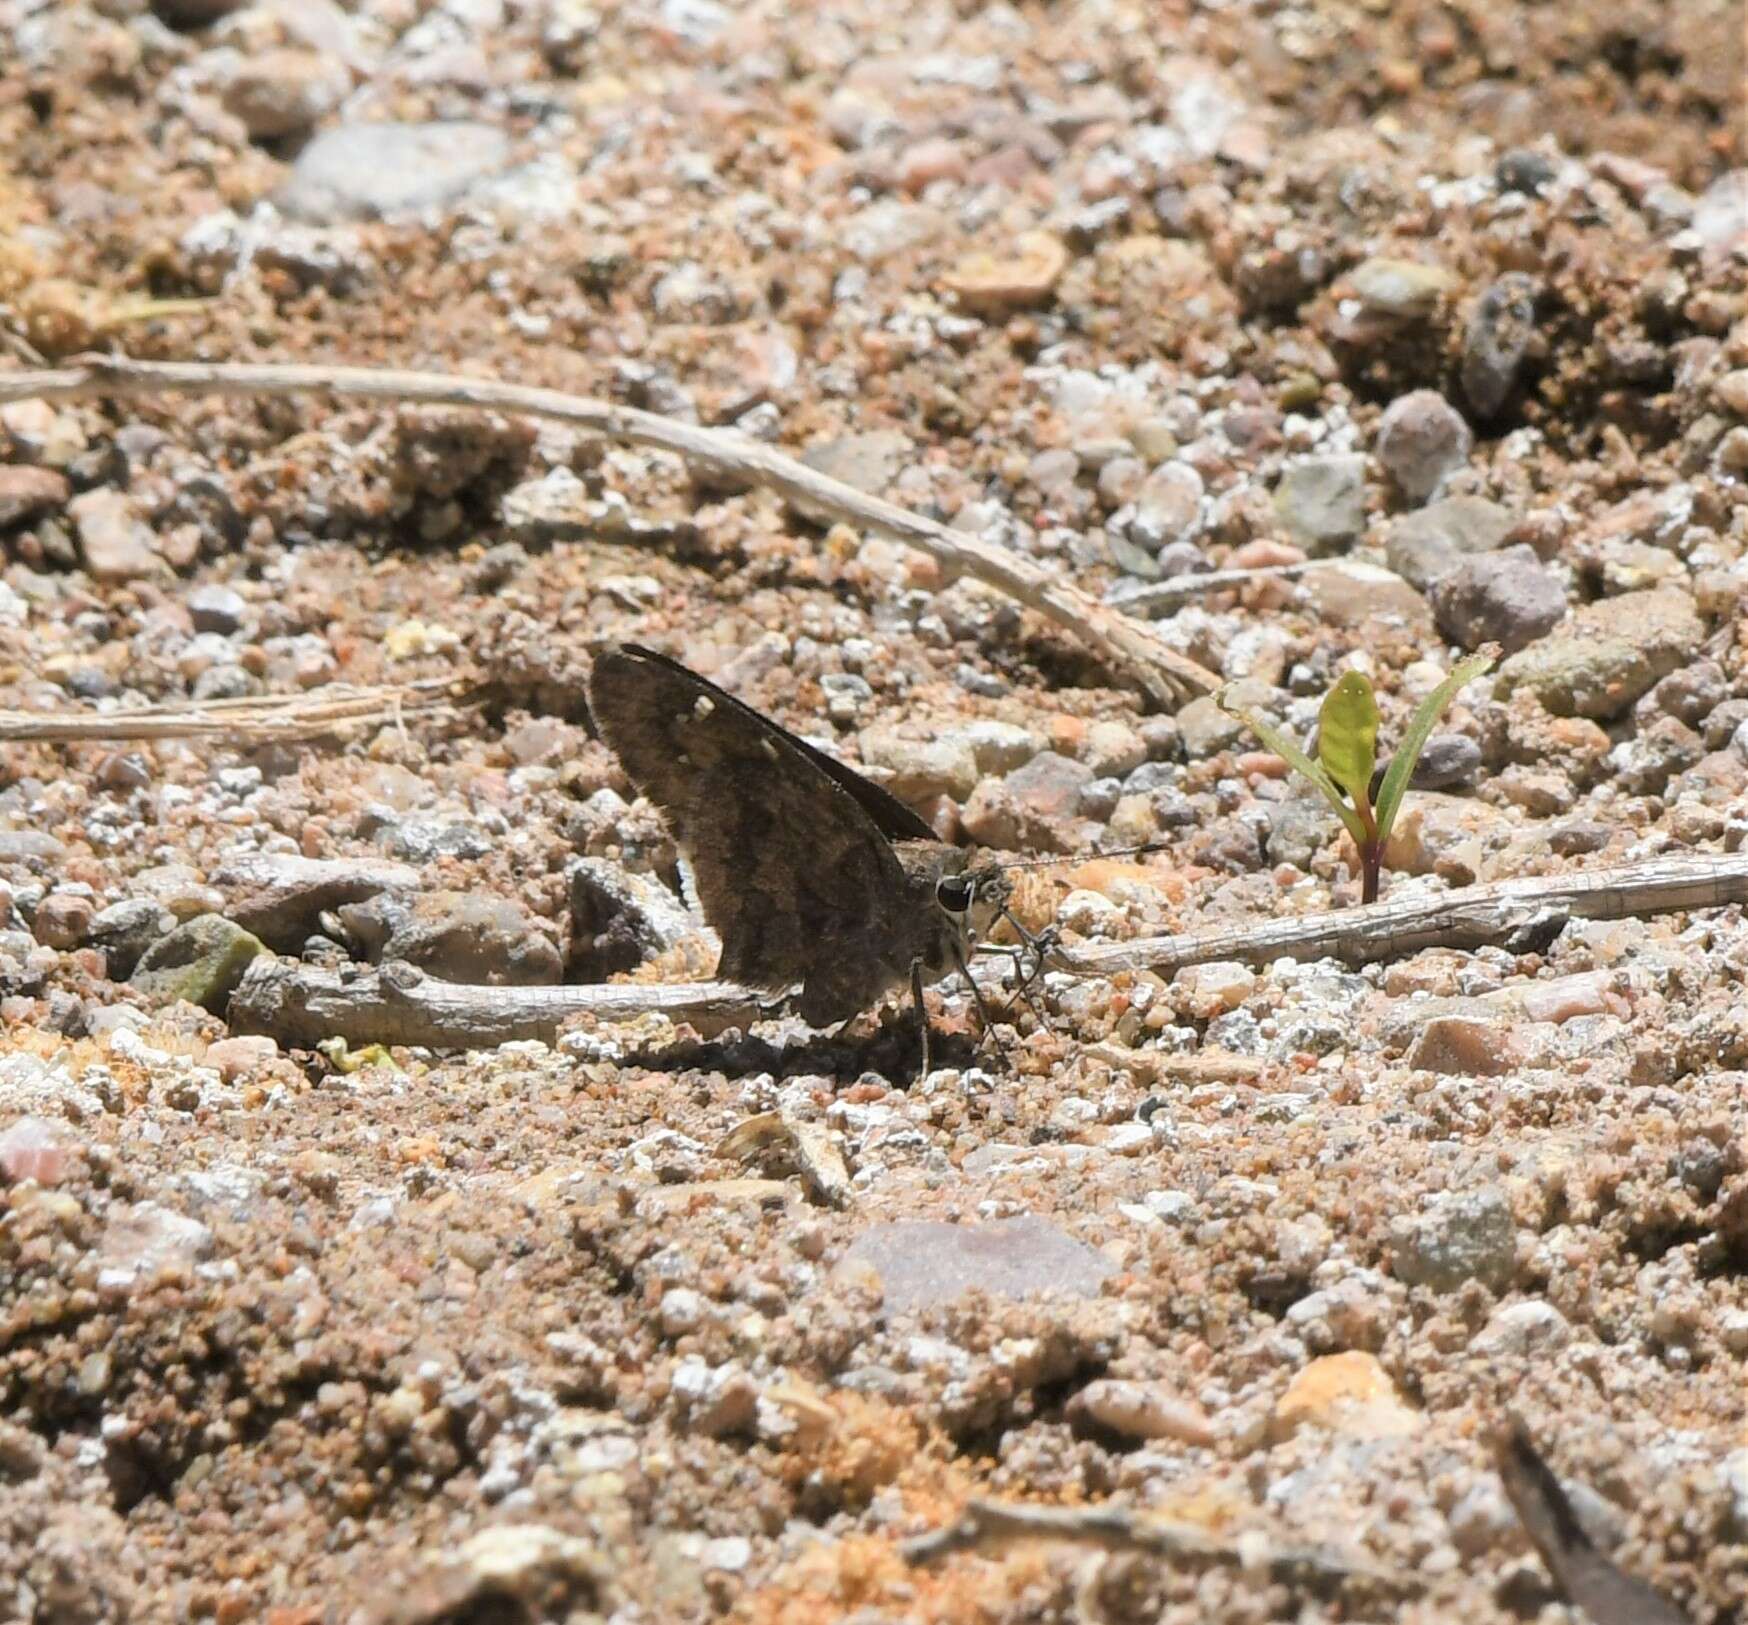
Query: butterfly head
{"points": [[972, 898]]}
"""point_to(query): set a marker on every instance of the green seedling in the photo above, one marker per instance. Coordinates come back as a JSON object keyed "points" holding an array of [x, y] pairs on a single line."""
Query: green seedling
{"points": [[1347, 754]]}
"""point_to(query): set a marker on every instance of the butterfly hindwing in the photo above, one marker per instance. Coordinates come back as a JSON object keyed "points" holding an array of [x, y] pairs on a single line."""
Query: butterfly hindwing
{"points": [[791, 853]]}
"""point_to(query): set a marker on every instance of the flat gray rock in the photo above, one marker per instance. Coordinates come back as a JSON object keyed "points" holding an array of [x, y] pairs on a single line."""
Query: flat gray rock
{"points": [[922, 1262], [377, 171]]}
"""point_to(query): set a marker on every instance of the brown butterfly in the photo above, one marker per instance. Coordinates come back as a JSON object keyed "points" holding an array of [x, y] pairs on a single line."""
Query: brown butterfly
{"points": [[811, 875]]}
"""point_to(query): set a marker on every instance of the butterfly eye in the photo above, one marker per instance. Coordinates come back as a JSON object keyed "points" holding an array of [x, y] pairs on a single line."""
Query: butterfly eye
{"points": [[953, 893]]}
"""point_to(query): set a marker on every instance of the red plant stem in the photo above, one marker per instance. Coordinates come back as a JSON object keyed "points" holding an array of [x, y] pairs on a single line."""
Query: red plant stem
{"points": [[1371, 853], [1371, 864]]}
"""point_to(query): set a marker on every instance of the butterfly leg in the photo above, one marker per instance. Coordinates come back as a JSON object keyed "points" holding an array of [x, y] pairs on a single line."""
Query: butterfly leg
{"points": [[922, 1010]]}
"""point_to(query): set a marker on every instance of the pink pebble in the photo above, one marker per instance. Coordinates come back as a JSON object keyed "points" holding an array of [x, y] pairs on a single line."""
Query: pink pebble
{"points": [[33, 1148]]}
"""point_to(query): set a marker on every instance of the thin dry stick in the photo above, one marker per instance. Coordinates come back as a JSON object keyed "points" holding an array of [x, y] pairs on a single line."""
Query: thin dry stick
{"points": [[1159, 595], [249, 720], [1520, 911], [302, 1005], [1161, 1066], [1118, 1528], [1130, 646]]}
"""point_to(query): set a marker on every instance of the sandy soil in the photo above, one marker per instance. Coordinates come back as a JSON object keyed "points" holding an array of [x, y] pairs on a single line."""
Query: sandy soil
{"points": [[1456, 291]]}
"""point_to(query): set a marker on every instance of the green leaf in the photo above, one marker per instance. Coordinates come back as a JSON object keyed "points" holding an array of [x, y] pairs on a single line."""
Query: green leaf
{"points": [[1290, 753], [1347, 734], [1420, 727]]}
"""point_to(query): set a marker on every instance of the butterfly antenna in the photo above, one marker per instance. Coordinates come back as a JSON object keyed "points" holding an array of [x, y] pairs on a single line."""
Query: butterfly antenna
{"points": [[1084, 857]]}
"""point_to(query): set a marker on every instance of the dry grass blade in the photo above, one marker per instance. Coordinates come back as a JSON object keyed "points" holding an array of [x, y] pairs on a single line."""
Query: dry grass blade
{"points": [[1112, 1527], [248, 721]]}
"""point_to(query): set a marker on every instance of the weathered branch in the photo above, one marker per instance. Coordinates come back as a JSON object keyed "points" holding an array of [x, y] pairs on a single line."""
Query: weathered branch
{"points": [[301, 1005], [985, 1524], [245, 721], [1512, 912], [1130, 646]]}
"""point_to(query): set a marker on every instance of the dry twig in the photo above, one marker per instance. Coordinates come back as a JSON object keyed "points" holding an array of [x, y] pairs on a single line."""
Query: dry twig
{"points": [[1516, 913], [1161, 1066], [1152, 598], [986, 1524], [247, 721], [301, 1005], [1129, 645]]}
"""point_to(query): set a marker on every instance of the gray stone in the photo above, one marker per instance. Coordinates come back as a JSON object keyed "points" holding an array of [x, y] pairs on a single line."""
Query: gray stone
{"points": [[27, 493], [1509, 598], [1690, 694], [1720, 219], [1422, 438], [1353, 592], [922, 1262], [216, 608], [1459, 1237], [919, 769], [424, 839], [371, 171], [125, 930], [1423, 546], [867, 462], [1498, 337], [115, 544], [1322, 502], [1167, 510], [280, 896], [1644, 764], [1445, 760], [456, 937], [1402, 289], [285, 92], [1206, 729], [1299, 829], [32, 848], [1035, 808], [201, 962], [619, 919], [1607, 654], [997, 747]]}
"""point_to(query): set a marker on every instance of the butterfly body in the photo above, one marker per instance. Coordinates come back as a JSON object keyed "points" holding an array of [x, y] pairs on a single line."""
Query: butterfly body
{"points": [[813, 876]]}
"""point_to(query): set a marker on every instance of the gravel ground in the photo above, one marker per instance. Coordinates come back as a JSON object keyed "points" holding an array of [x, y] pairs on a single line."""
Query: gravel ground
{"points": [[1455, 295]]}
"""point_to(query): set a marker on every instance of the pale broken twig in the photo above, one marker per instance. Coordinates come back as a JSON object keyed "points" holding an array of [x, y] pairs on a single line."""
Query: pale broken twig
{"points": [[1150, 597], [985, 1524], [250, 720], [1163, 1066], [1519, 914], [1131, 646]]}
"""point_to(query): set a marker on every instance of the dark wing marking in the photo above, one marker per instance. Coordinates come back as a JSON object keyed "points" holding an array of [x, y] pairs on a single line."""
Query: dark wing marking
{"points": [[1607, 1594], [791, 869], [891, 817]]}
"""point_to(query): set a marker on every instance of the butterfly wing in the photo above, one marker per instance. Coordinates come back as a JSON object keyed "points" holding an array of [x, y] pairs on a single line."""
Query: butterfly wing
{"points": [[891, 817], [793, 870]]}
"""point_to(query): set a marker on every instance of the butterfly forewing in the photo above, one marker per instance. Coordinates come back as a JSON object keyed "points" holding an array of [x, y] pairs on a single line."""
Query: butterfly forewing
{"points": [[791, 852]]}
